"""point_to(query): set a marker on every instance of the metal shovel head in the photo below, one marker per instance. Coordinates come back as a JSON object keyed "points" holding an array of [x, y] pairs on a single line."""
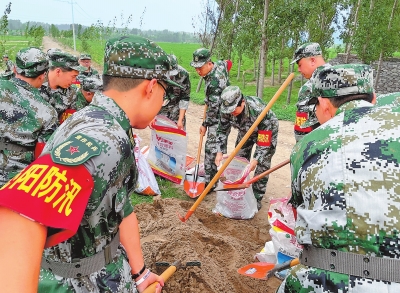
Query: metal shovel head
{"points": [[256, 270], [193, 186]]}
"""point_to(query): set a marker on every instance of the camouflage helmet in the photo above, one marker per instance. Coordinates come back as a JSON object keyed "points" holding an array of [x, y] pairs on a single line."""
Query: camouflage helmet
{"points": [[31, 62], [230, 98], [92, 84], [174, 65], [136, 57], [85, 56], [200, 57], [306, 50], [58, 58], [342, 80]]}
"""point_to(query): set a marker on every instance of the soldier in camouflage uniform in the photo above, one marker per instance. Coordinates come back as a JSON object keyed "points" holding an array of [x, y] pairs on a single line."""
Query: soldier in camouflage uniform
{"points": [[392, 99], [96, 143], [345, 182], [85, 60], [216, 79], [177, 100], [88, 87], [308, 58], [64, 68], [26, 120], [241, 112], [9, 64]]}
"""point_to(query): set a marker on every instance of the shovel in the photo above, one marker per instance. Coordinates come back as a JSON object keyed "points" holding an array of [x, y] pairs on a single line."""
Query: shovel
{"points": [[169, 272], [252, 180], [265, 270], [193, 184]]}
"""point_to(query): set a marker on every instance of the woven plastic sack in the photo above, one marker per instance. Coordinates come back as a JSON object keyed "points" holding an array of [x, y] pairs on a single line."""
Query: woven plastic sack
{"points": [[238, 203], [167, 152]]}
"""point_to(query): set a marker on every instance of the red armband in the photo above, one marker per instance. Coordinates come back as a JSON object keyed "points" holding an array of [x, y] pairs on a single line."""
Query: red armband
{"points": [[66, 114], [39, 149], [264, 138], [52, 194], [301, 117]]}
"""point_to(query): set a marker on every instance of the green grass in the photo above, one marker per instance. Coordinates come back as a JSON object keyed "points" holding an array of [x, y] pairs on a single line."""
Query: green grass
{"points": [[15, 43], [168, 190]]}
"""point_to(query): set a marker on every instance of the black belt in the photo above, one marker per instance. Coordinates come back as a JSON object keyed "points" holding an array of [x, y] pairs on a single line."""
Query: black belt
{"points": [[85, 266], [371, 267]]}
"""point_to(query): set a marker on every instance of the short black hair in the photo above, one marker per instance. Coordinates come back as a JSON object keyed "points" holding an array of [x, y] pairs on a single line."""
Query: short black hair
{"points": [[122, 84], [338, 101]]}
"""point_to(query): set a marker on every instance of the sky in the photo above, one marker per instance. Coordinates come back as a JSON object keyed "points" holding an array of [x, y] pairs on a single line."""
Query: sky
{"points": [[173, 15]]}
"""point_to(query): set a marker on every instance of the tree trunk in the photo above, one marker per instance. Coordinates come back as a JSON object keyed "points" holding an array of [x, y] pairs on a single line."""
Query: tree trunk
{"points": [[233, 31], [381, 54], [352, 32], [291, 68], [371, 6], [273, 72], [239, 63], [264, 44]]}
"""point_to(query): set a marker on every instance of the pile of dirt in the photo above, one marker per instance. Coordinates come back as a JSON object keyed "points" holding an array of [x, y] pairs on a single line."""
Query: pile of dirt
{"points": [[221, 245]]}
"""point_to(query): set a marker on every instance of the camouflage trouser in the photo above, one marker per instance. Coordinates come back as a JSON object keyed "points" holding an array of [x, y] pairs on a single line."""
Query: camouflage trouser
{"points": [[11, 163], [172, 113], [260, 186], [210, 153]]}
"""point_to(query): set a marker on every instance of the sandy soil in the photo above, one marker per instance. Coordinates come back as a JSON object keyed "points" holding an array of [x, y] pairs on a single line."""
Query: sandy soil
{"points": [[221, 245]]}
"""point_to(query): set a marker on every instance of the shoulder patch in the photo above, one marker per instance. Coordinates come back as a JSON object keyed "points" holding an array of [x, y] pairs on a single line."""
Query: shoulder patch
{"points": [[76, 150]]}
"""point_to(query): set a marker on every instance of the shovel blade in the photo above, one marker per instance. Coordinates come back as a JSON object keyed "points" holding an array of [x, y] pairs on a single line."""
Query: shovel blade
{"points": [[256, 270], [193, 188]]}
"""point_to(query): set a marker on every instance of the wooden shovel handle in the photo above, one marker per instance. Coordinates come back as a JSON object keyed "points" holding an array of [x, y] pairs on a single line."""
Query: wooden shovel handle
{"points": [[201, 137], [166, 275], [237, 148]]}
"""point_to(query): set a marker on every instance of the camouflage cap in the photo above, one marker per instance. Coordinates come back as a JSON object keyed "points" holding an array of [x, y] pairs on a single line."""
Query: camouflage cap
{"points": [[342, 80], [92, 84], [31, 62], [200, 57], [230, 98], [174, 65], [5, 56], [6, 75], [136, 57], [85, 56], [58, 58], [306, 50]]}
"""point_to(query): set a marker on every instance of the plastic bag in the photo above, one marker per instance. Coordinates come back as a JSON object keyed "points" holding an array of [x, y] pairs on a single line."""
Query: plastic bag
{"points": [[146, 184], [238, 203], [167, 153]]}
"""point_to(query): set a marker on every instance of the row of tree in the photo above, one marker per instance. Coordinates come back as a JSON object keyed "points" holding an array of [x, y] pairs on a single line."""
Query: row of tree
{"points": [[269, 31]]}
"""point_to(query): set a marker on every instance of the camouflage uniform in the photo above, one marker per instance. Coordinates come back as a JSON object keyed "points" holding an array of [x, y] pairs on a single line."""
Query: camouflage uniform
{"points": [[90, 84], [90, 72], [305, 113], [215, 82], [177, 98], [25, 117], [8, 72], [344, 185], [392, 99], [61, 98], [265, 136], [104, 125]]}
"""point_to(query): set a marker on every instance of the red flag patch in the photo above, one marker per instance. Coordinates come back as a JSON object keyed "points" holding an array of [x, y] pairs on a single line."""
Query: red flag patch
{"points": [[51, 194], [264, 137]]}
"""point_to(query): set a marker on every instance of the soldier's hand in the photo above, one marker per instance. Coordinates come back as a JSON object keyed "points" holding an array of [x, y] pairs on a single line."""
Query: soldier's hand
{"points": [[203, 130], [150, 280], [180, 124], [218, 159], [253, 164]]}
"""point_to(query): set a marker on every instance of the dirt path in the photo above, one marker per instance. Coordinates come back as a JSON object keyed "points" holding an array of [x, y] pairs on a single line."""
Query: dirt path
{"points": [[222, 245]]}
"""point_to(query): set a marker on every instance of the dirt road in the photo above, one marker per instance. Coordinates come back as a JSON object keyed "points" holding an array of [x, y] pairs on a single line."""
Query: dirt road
{"points": [[222, 245]]}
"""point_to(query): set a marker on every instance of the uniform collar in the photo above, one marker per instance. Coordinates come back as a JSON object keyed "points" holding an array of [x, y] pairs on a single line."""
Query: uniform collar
{"points": [[104, 102]]}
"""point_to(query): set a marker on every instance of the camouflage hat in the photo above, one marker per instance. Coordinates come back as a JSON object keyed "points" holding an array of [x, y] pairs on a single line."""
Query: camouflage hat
{"points": [[5, 56], [85, 56], [306, 50], [230, 98], [6, 75], [342, 80], [136, 57], [200, 57], [92, 84], [58, 58], [31, 62], [174, 65]]}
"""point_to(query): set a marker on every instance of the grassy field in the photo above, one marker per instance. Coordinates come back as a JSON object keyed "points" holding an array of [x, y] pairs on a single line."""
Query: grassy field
{"points": [[13, 44]]}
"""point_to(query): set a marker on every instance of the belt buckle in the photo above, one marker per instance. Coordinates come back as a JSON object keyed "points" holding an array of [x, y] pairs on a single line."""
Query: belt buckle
{"points": [[107, 254]]}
